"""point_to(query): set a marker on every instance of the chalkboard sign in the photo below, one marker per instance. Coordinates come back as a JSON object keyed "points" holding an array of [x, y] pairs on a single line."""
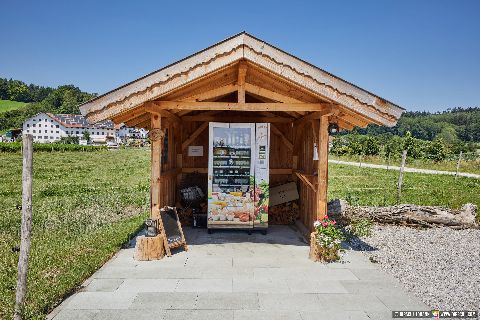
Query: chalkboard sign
{"points": [[171, 229]]}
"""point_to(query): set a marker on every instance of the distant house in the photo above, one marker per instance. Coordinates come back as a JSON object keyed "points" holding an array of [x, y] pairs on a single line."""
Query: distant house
{"points": [[48, 128]]}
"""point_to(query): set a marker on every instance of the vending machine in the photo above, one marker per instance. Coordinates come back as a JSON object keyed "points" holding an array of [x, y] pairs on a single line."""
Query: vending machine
{"points": [[238, 171]]}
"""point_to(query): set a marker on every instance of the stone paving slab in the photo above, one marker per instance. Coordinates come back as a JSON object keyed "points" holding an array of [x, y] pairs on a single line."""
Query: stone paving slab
{"points": [[231, 275]]}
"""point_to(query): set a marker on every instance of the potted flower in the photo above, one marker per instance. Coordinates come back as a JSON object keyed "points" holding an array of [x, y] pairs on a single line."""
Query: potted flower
{"points": [[325, 240]]}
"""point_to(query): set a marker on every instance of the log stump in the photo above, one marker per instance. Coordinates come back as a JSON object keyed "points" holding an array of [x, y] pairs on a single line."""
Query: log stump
{"points": [[149, 248], [319, 253]]}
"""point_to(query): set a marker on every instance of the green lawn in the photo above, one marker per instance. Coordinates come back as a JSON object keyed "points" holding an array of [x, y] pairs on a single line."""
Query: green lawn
{"points": [[378, 187], [87, 204], [7, 105], [470, 166]]}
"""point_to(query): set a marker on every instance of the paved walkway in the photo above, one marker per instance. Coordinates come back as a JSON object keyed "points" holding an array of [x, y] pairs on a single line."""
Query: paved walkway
{"points": [[230, 275], [407, 169]]}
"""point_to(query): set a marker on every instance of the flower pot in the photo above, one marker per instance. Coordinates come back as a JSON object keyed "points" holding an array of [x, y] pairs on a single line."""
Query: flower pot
{"points": [[320, 253]]}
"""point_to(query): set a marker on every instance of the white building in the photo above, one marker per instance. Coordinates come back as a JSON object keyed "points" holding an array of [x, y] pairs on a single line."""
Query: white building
{"points": [[47, 128]]}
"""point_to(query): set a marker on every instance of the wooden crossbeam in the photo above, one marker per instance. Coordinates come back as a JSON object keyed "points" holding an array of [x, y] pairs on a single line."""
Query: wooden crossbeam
{"points": [[188, 105], [194, 135], [315, 115], [237, 119], [280, 133]]}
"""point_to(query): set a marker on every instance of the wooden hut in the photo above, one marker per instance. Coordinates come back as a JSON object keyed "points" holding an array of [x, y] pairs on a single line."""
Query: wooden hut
{"points": [[242, 79]]}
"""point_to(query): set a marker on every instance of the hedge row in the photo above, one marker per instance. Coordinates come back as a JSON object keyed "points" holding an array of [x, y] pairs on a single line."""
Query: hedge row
{"points": [[48, 147]]}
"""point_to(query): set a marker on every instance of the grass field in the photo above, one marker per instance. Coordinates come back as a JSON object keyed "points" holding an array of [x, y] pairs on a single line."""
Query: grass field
{"points": [[378, 187], [470, 166], [7, 105], [86, 205]]}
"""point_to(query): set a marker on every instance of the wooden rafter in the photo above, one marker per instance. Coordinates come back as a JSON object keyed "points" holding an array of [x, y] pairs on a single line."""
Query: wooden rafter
{"points": [[328, 110], [232, 106], [136, 121], [259, 91], [194, 135], [128, 115], [276, 131], [213, 93]]}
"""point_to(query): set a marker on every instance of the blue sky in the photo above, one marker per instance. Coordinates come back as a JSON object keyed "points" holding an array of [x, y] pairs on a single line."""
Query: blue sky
{"points": [[422, 54]]}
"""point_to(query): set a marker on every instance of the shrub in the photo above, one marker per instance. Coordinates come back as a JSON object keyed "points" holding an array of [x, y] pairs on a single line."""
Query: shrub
{"points": [[48, 147]]}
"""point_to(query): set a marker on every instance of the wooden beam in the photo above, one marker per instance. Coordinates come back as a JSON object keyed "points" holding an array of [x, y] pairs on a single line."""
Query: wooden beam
{"points": [[129, 115], [344, 124], [156, 166], [233, 118], [242, 73], [213, 93], [259, 91], [322, 169], [306, 180], [280, 171], [136, 121], [287, 142], [326, 111], [188, 105], [149, 107], [194, 135]]}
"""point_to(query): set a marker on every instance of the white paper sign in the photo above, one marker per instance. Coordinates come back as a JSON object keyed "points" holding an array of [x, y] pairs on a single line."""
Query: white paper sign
{"points": [[195, 151]]}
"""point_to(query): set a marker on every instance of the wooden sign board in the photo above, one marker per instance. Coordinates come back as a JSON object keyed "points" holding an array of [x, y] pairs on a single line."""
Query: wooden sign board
{"points": [[171, 229], [284, 193]]}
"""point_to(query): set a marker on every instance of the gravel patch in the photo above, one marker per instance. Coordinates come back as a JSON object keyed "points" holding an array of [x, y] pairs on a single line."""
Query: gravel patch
{"points": [[441, 266]]}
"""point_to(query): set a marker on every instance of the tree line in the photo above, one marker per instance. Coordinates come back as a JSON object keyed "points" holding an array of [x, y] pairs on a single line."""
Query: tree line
{"points": [[64, 99], [452, 126], [391, 146]]}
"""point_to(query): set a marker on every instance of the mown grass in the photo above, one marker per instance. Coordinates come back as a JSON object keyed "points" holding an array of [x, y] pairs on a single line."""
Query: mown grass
{"points": [[469, 166], [378, 187], [85, 206], [7, 105]]}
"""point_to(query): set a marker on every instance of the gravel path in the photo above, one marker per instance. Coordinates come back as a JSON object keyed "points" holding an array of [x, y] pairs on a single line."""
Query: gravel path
{"points": [[407, 169], [441, 266]]}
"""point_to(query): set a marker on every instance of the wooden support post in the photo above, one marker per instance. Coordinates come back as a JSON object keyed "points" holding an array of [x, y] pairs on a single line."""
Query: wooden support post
{"points": [[156, 141], [322, 168], [242, 72], [400, 176], [458, 164], [26, 227]]}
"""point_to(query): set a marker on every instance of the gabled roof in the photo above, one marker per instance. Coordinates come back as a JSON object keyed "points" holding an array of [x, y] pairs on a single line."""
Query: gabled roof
{"points": [[265, 57]]}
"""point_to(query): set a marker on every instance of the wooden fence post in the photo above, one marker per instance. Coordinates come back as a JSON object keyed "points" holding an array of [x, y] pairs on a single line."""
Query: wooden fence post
{"points": [[458, 164], [26, 227], [400, 176]]}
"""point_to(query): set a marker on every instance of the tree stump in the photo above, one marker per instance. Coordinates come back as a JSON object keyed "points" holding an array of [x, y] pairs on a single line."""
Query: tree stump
{"points": [[149, 248]]}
